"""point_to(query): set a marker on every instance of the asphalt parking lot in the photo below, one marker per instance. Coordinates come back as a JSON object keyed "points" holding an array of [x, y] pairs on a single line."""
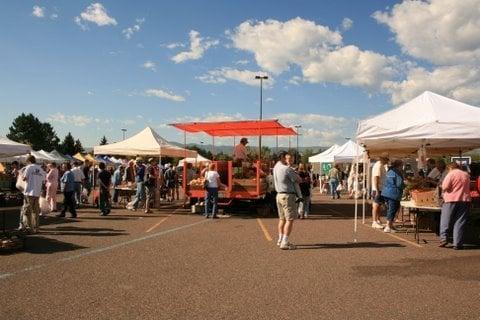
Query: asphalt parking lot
{"points": [[176, 265]]}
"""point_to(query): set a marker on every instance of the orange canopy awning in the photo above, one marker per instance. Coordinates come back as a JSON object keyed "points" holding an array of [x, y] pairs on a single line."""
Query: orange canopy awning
{"points": [[237, 128]]}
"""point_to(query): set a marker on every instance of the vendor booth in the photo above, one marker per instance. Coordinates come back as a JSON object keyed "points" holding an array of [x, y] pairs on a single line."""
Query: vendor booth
{"points": [[198, 159], [429, 125], [10, 198], [245, 180]]}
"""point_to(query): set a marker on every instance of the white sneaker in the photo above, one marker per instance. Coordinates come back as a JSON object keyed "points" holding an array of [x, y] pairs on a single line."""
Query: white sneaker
{"points": [[287, 246], [376, 225], [279, 242], [389, 230]]}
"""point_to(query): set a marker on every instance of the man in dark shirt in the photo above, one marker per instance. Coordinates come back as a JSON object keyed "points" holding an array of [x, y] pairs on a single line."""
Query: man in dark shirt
{"points": [[150, 183], [104, 180]]}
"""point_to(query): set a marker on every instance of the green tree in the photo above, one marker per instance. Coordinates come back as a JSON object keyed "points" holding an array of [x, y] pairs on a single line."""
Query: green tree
{"points": [[103, 141], [26, 128], [201, 151], [68, 145], [78, 146], [306, 154]]}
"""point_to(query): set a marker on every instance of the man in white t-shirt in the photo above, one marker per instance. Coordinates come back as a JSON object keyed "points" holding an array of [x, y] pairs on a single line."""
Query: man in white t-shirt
{"points": [[34, 177], [379, 172], [79, 180]]}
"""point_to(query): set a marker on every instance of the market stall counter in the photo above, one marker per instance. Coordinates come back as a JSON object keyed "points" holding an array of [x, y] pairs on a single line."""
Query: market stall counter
{"points": [[419, 211]]}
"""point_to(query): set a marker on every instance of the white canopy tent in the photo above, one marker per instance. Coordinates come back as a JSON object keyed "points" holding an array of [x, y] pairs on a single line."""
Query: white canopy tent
{"points": [[438, 123], [58, 156], [431, 121], [325, 156], [145, 143], [39, 157], [9, 148], [198, 159], [348, 152]]}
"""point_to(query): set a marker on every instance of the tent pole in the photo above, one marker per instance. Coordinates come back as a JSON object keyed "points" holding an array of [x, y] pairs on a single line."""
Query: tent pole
{"points": [[356, 200], [363, 187], [213, 147]]}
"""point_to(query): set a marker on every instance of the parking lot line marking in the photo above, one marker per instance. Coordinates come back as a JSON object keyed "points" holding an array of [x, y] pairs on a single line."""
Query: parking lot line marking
{"points": [[104, 249], [388, 234], [264, 229], [158, 223]]}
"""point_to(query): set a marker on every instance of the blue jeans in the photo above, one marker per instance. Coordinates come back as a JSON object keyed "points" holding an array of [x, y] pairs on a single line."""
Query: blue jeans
{"points": [[456, 213], [392, 208], [333, 188], [211, 201], [140, 195]]}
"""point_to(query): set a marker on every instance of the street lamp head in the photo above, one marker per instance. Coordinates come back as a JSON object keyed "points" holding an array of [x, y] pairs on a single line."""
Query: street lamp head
{"points": [[261, 77]]}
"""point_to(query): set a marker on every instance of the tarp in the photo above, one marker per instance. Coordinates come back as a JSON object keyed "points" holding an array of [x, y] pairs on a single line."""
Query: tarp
{"points": [[348, 152], [243, 128], [9, 148], [60, 157], [436, 122], [79, 157], [325, 156], [198, 159], [39, 157], [145, 143], [47, 155]]}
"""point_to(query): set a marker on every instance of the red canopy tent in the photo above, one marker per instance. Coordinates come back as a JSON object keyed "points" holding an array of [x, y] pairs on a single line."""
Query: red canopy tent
{"points": [[237, 128]]}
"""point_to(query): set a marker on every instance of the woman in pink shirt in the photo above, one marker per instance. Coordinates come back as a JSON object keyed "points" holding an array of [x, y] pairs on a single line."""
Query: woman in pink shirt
{"points": [[52, 186], [456, 196]]}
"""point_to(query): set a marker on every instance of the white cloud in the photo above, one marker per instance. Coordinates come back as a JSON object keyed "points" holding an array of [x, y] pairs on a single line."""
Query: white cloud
{"points": [[212, 117], [164, 95], [276, 45], [350, 66], [242, 62], [90, 93], [38, 12], [443, 32], [244, 76], [458, 82], [75, 120], [54, 16], [95, 13], [347, 24], [128, 32], [175, 45], [316, 49], [150, 65], [269, 99], [198, 46]]}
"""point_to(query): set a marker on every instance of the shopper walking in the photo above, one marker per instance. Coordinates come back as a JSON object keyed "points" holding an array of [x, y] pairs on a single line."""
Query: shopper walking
{"points": [[284, 179], [392, 193], [305, 187], [68, 187], [170, 182], [34, 177], [52, 186], [379, 172], [335, 178], [213, 183], [456, 206], [140, 180], [116, 182], [104, 180]]}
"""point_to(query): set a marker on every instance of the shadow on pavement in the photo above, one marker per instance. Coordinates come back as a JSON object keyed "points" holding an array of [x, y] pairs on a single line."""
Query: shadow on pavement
{"points": [[76, 231], [42, 245], [349, 245], [463, 268]]}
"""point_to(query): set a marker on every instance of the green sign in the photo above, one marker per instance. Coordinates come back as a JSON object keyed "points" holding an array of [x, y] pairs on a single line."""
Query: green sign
{"points": [[326, 167]]}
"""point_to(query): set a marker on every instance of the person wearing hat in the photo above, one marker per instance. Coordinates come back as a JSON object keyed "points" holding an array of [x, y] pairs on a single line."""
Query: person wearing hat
{"points": [[139, 180], [240, 151]]}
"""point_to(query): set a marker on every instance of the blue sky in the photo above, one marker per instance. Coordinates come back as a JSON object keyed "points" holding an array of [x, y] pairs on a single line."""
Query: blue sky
{"points": [[93, 68]]}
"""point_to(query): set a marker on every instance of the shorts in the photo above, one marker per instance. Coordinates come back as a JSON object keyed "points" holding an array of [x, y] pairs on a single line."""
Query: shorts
{"points": [[378, 199], [287, 208]]}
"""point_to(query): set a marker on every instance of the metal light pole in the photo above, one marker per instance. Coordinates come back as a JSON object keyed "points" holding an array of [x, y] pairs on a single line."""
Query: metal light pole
{"points": [[298, 151], [124, 130], [261, 78]]}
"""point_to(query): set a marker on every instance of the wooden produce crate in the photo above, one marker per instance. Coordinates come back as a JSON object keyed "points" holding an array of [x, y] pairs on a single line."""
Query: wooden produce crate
{"points": [[424, 197]]}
